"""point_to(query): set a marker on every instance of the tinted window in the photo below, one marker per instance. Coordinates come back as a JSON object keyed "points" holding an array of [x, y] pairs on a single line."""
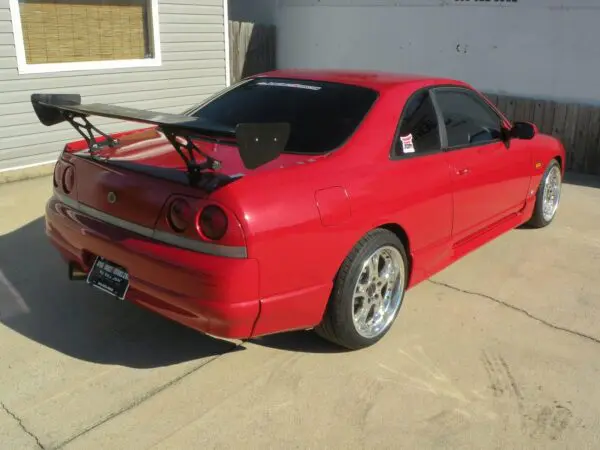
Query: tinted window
{"points": [[468, 119], [419, 128], [322, 115]]}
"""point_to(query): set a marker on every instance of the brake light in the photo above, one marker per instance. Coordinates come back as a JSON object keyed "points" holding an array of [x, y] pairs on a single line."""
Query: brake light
{"points": [[213, 222], [180, 215], [68, 179], [198, 219]]}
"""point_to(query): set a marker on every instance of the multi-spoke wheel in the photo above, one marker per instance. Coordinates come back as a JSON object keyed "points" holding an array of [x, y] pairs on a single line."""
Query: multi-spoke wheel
{"points": [[378, 291], [368, 292], [548, 196]]}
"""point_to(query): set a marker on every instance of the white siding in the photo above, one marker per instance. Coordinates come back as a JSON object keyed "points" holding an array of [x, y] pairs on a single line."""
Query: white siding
{"points": [[537, 48], [193, 67]]}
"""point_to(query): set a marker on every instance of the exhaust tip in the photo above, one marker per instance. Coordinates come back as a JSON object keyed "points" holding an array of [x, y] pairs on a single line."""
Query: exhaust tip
{"points": [[76, 273]]}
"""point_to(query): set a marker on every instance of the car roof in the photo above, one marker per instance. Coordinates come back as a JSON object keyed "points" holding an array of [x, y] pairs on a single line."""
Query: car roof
{"points": [[378, 81]]}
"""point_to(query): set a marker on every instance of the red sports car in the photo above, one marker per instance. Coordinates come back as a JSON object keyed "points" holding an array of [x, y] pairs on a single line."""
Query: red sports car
{"points": [[294, 199]]}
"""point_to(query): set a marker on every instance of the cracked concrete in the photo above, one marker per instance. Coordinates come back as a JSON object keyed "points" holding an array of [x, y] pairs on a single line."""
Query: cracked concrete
{"points": [[145, 396], [517, 309], [497, 351], [21, 425]]}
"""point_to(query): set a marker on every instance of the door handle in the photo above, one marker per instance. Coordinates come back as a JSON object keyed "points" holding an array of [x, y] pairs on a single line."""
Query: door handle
{"points": [[464, 171]]}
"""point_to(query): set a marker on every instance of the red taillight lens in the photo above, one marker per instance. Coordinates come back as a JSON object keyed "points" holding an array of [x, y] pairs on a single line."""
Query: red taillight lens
{"points": [[180, 215], [213, 222], [68, 179]]}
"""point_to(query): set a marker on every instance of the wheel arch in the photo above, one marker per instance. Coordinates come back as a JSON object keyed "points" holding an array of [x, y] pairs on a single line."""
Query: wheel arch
{"points": [[401, 233], [331, 323], [558, 159], [398, 230]]}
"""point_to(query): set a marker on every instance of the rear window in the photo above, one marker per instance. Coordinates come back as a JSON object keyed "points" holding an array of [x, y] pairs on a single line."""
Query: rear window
{"points": [[322, 115]]}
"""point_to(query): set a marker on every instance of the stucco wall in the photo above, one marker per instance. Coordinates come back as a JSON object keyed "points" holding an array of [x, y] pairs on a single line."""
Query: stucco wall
{"points": [[536, 48]]}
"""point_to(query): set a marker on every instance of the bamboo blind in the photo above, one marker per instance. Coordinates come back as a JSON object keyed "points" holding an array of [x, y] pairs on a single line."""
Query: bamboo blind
{"points": [[59, 31]]}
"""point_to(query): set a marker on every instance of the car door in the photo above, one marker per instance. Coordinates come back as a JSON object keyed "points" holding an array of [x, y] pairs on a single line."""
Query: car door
{"points": [[417, 184], [489, 180]]}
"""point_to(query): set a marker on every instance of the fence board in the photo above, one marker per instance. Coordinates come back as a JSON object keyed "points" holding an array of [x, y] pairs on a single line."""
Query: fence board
{"points": [[548, 119], [569, 134], [252, 49], [538, 114], [591, 159], [580, 137], [524, 110]]}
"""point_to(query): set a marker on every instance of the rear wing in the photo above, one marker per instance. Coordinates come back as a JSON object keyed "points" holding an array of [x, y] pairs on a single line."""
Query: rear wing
{"points": [[258, 143]]}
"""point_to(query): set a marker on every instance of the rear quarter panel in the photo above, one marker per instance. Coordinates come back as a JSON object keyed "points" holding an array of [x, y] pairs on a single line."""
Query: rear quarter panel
{"points": [[279, 210]]}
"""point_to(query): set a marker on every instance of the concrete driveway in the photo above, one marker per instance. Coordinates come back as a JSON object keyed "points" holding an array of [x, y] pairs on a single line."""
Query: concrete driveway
{"points": [[502, 350]]}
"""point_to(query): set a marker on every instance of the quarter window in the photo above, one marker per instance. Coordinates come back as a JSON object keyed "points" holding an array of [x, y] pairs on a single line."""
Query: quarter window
{"points": [[419, 127], [468, 120]]}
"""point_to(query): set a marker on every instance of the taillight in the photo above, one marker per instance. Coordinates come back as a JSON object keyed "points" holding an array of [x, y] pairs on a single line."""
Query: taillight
{"points": [[180, 215], [56, 177], [68, 179], [191, 219], [213, 222]]}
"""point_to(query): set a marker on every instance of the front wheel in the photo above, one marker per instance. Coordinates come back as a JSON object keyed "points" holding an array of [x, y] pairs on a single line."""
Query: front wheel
{"points": [[367, 293], [548, 196]]}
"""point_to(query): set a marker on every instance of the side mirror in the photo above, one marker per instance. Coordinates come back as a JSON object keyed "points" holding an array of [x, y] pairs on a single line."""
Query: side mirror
{"points": [[523, 130]]}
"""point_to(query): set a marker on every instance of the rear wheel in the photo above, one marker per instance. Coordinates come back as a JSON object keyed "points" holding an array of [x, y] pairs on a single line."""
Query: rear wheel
{"points": [[548, 197], [368, 292]]}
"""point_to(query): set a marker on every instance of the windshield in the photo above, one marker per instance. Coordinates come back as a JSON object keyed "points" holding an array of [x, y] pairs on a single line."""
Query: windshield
{"points": [[322, 115]]}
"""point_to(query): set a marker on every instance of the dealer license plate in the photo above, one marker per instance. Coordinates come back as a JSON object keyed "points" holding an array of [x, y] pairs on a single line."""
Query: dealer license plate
{"points": [[109, 277]]}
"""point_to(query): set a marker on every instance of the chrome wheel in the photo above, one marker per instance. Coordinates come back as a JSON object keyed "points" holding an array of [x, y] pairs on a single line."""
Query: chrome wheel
{"points": [[551, 195], [378, 291]]}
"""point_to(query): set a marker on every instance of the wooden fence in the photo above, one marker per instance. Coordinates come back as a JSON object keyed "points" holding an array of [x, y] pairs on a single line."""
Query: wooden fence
{"points": [[576, 125], [253, 50]]}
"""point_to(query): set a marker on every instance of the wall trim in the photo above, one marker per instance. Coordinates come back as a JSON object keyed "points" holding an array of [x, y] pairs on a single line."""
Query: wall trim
{"points": [[227, 49]]}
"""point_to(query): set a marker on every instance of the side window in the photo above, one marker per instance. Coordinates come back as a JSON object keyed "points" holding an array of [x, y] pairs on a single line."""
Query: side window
{"points": [[468, 119], [419, 128]]}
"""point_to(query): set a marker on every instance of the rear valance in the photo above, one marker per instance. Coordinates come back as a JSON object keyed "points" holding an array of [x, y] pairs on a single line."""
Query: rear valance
{"points": [[258, 143]]}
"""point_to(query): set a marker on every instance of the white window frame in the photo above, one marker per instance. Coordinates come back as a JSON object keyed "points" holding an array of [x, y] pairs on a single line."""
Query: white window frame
{"points": [[25, 68], [226, 37]]}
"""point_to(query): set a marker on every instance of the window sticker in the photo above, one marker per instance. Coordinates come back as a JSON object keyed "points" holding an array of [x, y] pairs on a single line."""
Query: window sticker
{"points": [[407, 144], [290, 85]]}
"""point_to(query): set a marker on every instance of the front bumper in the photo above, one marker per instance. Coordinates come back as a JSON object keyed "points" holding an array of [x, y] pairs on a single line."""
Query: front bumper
{"points": [[212, 294]]}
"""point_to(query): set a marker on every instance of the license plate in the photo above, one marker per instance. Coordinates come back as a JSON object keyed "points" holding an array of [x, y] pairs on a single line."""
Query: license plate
{"points": [[109, 277]]}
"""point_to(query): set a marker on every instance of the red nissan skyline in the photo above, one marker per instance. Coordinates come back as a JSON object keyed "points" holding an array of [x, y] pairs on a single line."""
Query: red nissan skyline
{"points": [[293, 199]]}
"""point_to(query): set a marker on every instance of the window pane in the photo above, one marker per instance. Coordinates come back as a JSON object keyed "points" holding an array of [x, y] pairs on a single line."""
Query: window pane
{"points": [[61, 31], [419, 128], [322, 115], [468, 121]]}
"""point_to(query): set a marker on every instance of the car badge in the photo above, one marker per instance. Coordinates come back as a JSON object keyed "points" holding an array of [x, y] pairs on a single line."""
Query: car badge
{"points": [[112, 197]]}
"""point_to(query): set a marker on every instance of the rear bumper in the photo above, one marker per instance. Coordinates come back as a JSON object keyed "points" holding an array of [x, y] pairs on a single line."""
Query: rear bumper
{"points": [[213, 294]]}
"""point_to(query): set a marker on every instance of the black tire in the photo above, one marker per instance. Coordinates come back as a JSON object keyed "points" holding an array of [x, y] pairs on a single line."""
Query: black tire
{"points": [[537, 219], [338, 325]]}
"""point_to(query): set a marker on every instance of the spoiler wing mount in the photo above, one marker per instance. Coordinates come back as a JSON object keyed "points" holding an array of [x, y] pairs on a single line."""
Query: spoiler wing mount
{"points": [[258, 143]]}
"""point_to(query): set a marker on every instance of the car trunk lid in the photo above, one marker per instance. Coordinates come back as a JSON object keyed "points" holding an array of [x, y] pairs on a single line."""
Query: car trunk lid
{"points": [[133, 180]]}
